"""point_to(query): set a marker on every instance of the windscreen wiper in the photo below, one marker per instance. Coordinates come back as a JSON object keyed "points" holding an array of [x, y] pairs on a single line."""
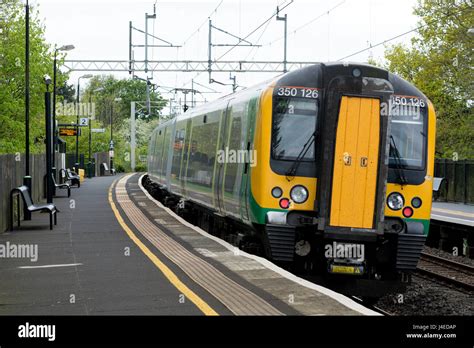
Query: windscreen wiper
{"points": [[398, 161], [290, 173]]}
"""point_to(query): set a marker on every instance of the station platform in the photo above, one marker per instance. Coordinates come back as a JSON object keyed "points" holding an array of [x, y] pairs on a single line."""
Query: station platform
{"points": [[117, 251], [455, 213]]}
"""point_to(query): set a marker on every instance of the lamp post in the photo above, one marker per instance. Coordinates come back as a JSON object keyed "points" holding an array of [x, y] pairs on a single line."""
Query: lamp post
{"points": [[49, 141], [27, 177], [55, 66], [87, 76]]}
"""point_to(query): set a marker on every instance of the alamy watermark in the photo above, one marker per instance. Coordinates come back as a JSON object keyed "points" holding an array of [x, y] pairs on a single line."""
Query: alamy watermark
{"points": [[344, 251], [75, 109], [237, 156], [401, 106], [20, 251], [28, 330]]}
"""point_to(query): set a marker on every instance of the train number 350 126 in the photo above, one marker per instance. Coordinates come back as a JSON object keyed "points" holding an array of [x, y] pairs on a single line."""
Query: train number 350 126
{"points": [[301, 92]]}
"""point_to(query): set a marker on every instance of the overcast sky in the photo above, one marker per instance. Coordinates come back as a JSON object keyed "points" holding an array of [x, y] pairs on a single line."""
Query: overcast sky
{"points": [[99, 30]]}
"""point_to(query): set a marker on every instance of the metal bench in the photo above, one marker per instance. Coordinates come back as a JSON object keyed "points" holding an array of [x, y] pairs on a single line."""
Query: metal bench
{"points": [[73, 178], [25, 194], [62, 186]]}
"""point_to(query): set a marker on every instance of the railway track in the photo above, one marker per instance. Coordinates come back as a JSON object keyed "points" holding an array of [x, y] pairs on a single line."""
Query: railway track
{"points": [[450, 272], [371, 306]]}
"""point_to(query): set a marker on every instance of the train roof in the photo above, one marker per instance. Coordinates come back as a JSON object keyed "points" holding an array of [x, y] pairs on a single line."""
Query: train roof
{"points": [[314, 76]]}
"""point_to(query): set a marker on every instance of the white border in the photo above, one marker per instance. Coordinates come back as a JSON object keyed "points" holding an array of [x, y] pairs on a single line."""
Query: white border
{"points": [[344, 300], [452, 220]]}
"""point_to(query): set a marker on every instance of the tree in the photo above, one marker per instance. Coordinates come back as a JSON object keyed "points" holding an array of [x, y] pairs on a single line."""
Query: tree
{"points": [[12, 78], [127, 90], [439, 62], [111, 98]]}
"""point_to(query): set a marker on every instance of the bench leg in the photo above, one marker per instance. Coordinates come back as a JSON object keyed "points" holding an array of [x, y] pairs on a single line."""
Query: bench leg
{"points": [[11, 212], [55, 217], [18, 210], [69, 192], [50, 220]]}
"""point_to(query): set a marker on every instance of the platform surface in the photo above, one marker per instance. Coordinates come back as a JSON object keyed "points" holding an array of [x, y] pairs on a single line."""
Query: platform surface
{"points": [[116, 250], [456, 213]]}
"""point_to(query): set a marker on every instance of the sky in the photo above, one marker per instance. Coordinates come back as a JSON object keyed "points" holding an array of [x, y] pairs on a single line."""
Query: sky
{"points": [[318, 31]]}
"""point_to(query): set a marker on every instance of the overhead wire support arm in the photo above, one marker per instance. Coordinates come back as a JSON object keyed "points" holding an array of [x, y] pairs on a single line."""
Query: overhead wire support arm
{"points": [[234, 36], [168, 44], [285, 19], [210, 62]]}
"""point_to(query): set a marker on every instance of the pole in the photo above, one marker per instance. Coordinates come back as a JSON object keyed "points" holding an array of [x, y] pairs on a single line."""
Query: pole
{"points": [[49, 141], [285, 19], [148, 103], [285, 44], [209, 52], [77, 125], [111, 147], [130, 48], [89, 172], [54, 103], [54, 118], [27, 177], [192, 93], [146, 42], [132, 136]]}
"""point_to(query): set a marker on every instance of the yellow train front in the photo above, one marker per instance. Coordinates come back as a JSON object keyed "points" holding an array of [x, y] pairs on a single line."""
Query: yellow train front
{"points": [[337, 178]]}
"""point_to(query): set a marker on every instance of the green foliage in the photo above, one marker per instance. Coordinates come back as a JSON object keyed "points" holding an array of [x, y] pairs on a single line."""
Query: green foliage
{"points": [[439, 62], [127, 90], [12, 78], [102, 92]]}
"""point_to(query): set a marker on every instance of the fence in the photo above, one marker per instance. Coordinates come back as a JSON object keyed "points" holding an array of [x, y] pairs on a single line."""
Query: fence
{"points": [[459, 175], [12, 170]]}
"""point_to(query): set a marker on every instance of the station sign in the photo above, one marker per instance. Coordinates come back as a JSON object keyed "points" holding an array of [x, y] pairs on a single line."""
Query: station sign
{"points": [[98, 130], [68, 132]]}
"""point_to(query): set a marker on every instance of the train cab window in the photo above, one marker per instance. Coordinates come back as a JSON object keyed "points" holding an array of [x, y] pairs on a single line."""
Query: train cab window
{"points": [[294, 121], [408, 138]]}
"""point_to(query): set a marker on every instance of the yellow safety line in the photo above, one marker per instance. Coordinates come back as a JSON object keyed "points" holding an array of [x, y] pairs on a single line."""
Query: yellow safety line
{"points": [[452, 212], [173, 278]]}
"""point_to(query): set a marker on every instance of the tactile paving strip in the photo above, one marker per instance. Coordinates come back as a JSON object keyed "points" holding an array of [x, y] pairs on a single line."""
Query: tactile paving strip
{"points": [[235, 297]]}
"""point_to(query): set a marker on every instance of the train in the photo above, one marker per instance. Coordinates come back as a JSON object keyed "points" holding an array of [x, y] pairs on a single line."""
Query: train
{"points": [[326, 170]]}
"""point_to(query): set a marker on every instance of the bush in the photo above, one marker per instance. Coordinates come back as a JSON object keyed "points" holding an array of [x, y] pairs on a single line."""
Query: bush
{"points": [[119, 168], [140, 168]]}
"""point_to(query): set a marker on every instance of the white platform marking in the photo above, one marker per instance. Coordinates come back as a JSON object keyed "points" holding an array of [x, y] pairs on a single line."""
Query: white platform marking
{"points": [[52, 266]]}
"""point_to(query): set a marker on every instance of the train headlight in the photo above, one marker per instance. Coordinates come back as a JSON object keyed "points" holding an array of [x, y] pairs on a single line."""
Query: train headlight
{"points": [[416, 202], [395, 201], [299, 194], [277, 192]]}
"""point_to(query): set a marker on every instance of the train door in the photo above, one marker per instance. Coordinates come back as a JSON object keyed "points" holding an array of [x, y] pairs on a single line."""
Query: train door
{"points": [[221, 146], [249, 134], [185, 157], [354, 182], [235, 158]]}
